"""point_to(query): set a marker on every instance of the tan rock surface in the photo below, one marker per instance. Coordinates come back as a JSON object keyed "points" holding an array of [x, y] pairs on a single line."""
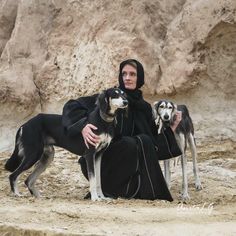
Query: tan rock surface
{"points": [[52, 51]]}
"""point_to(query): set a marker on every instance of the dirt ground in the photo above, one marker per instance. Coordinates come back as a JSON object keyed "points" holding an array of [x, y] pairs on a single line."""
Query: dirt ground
{"points": [[62, 210]]}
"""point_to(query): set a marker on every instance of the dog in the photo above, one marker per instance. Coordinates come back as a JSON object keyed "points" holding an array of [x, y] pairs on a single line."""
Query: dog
{"points": [[164, 113], [35, 140]]}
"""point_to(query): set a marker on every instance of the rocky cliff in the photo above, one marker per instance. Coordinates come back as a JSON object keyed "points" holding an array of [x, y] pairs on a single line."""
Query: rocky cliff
{"points": [[52, 51]]}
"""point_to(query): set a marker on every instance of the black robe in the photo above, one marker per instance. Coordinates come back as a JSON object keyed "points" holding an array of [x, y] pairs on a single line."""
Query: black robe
{"points": [[130, 165]]}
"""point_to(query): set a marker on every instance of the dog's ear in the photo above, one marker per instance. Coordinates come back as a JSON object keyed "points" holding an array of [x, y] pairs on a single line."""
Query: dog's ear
{"points": [[156, 117], [155, 103], [154, 110], [102, 101], [174, 108], [173, 114]]}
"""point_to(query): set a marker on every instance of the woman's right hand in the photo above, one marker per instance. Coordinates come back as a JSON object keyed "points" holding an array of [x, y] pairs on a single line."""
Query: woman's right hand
{"points": [[89, 136]]}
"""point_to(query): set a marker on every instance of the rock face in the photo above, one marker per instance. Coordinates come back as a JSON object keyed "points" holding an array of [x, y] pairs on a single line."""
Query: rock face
{"points": [[52, 51]]}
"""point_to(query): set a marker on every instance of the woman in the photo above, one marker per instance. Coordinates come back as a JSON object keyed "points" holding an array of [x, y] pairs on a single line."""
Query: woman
{"points": [[130, 166]]}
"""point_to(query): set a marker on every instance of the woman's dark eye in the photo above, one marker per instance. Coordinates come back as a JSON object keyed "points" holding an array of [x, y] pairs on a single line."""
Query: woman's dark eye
{"points": [[132, 74]]}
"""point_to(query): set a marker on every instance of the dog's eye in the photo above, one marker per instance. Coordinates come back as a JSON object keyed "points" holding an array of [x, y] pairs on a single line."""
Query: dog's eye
{"points": [[161, 106], [170, 107]]}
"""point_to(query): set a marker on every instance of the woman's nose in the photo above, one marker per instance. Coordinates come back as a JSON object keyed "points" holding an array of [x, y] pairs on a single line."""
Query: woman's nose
{"points": [[127, 77]]}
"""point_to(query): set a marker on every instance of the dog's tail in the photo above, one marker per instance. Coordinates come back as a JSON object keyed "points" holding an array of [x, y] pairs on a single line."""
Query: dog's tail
{"points": [[14, 161]]}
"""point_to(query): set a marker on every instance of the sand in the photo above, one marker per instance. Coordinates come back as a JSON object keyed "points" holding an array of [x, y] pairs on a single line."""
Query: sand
{"points": [[62, 210]]}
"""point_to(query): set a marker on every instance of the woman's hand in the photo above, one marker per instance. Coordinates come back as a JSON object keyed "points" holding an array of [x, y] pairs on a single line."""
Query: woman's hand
{"points": [[89, 136], [176, 121]]}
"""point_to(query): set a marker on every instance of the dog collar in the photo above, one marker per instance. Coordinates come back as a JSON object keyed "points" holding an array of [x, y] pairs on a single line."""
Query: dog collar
{"points": [[107, 118]]}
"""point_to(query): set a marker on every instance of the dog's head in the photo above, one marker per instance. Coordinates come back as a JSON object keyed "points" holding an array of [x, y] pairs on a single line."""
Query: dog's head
{"points": [[164, 110], [111, 100]]}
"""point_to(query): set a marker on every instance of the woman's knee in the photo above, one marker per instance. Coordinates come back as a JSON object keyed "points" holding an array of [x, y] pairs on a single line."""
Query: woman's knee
{"points": [[146, 142], [145, 137], [123, 146], [129, 140]]}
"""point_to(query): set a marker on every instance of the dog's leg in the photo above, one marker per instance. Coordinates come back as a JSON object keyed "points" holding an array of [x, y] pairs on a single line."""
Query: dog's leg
{"points": [[90, 161], [40, 167], [98, 160], [14, 186], [98, 175], [185, 195], [192, 145], [25, 165], [182, 144], [167, 172], [180, 138]]}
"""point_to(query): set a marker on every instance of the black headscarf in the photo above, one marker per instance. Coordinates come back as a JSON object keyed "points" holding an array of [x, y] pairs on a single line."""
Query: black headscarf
{"points": [[140, 73], [140, 110], [135, 96]]}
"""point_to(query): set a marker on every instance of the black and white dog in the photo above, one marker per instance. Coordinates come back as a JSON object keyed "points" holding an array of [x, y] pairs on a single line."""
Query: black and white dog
{"points": [[164, 112], [35, 140]]}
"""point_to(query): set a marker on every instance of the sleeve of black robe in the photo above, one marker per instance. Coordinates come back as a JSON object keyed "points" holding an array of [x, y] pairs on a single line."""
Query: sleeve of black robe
{"points": [[75, 112], [166, 145]]}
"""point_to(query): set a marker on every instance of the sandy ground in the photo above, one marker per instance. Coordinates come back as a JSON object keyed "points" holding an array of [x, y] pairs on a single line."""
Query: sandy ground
{"points": [[63, 211]]}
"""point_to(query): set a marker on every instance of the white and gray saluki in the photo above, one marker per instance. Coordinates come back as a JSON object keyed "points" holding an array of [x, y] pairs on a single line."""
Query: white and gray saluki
{"points": [[164, 112]]}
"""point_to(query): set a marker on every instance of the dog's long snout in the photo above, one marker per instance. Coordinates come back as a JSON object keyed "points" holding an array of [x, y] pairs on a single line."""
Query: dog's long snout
{"points": [[125, 102], [166, 117]]}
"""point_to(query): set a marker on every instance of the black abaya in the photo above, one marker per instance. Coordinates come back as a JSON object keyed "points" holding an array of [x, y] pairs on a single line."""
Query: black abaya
{"points": [[130, 166]]}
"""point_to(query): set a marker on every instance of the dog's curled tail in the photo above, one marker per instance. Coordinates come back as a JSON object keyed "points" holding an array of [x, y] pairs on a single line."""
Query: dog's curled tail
{"points": [[14, 161]]}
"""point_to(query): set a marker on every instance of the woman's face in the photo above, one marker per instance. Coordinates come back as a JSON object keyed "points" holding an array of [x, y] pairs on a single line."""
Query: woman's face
{"points": [[129, 75]]}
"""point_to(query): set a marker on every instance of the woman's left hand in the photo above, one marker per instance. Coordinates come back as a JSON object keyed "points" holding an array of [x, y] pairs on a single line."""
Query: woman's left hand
{"points": [[177, 120]]}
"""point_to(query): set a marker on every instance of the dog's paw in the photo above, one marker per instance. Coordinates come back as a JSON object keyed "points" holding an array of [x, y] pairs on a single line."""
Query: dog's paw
{"points": [[36, 194], [198, 186], [101, 198], [185, 197], [107, 199], [33, 191], [96, 199], [16, 194]]}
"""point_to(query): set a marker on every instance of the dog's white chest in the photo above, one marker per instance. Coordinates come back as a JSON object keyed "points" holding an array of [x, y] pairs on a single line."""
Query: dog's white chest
{"points": [[105, 140]]}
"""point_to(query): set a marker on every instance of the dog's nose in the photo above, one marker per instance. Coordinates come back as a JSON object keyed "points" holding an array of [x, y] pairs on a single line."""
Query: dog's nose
{"points": [[166, 117], [125, 102]]}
